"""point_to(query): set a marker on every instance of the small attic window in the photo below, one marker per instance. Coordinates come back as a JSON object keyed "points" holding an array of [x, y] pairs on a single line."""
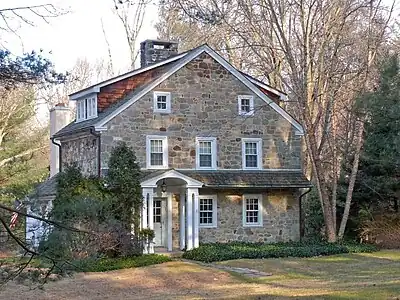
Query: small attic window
{"points": [[86, 108], [162, 102]]}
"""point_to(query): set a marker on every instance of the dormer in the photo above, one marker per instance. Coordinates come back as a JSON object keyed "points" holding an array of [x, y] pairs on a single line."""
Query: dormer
{"points": [[86, 108]]}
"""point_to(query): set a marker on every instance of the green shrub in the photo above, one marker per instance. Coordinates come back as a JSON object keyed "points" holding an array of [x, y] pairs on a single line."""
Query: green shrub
{"points": [[109, 264], [237, 250]]}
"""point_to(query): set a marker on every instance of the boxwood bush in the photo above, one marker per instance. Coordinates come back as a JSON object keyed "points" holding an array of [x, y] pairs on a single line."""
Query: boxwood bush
{"points": [[109, 264], [236, 250]]}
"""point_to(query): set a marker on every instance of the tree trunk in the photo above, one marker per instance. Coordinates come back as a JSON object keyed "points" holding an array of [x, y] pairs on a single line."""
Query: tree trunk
{"points": [[352, 180]]}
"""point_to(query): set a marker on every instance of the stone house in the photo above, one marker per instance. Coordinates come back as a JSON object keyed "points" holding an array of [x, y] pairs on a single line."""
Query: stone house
{"points": [[221, 158]]}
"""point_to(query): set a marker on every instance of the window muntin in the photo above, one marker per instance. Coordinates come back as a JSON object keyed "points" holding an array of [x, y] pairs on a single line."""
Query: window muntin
{"points": [[207, 211], [252, 210], [162, 102], [251, 151], [86, 108], [157, 152], [246, 105], [157, 211], [206, 153]]}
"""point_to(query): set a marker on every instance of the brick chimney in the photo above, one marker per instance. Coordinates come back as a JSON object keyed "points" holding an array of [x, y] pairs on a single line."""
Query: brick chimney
{"points": [[60, 116], [153, 51]]}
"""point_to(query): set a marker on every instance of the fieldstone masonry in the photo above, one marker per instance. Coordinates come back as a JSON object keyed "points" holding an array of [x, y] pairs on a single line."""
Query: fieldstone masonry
{"points": [[280, 219], [204, 103], [81, 150]]}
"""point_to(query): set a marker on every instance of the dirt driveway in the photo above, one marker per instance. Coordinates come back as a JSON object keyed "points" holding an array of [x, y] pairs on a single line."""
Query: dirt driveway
{"points": [[173, 280], [347, 276]]}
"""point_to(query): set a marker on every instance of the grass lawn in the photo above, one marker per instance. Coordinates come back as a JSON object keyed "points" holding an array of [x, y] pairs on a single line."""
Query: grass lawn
{"points": [[345, 276]]}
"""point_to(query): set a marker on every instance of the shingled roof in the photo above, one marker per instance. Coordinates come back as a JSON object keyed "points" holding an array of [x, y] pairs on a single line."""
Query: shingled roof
{"points": [[218, 179]]}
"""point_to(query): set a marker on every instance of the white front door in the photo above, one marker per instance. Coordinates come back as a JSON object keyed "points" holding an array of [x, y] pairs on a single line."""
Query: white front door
{"points": [[160, 222]]}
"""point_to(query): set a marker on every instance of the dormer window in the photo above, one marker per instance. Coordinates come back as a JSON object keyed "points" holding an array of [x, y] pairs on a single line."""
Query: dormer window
{"points": [[246, 105], [86, 108], [162, 102]]}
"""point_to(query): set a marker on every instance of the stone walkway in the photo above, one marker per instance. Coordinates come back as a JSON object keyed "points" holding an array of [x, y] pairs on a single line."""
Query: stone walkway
{"points": [[241, 271]]}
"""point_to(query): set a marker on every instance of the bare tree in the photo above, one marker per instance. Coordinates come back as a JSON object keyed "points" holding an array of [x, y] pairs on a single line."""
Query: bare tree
{"points": [[131, 15], [11, 18], [323, 52]]}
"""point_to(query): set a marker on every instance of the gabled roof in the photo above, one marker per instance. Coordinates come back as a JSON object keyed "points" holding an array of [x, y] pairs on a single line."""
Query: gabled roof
{"points": [[175, 64]]}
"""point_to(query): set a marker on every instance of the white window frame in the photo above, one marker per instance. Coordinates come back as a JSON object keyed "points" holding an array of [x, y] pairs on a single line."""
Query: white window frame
{"points": [[260, 210], [168, 103], [214, 211], [251, 103], [84, 109], [164, 139], [258, 141], [213, 141]]}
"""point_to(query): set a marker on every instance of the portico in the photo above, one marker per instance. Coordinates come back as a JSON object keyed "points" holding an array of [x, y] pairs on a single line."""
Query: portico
{"points": [[159, 192]]}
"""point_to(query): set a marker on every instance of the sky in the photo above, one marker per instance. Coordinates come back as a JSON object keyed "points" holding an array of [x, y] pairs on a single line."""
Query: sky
{"points": [[77, 34]]}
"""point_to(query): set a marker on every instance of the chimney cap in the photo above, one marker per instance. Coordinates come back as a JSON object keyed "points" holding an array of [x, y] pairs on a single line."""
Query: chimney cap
{"points": [[60, 106], [164, 42]]}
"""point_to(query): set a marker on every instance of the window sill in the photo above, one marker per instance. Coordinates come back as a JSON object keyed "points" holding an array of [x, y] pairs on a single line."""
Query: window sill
{"points": [[253, 225], [162, 111], [246, 114], [208, 226], [83, 120], [156, 167]]}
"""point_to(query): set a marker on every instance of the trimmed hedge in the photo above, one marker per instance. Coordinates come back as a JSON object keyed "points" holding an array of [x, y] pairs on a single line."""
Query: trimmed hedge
{"points": [[109, 264], [237, 250]]}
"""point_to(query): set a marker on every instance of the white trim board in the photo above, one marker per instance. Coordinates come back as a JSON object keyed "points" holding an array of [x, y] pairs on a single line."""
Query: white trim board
{"points": [[96, 88], [185, 60]]}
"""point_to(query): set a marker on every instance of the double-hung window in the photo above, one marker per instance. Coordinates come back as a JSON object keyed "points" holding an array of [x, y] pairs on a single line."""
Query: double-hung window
{"points": [[252, 153], [252, 210], [156, 152], [162, 102], [86, 108], [246, 105], [206, 153], [208, 211]]}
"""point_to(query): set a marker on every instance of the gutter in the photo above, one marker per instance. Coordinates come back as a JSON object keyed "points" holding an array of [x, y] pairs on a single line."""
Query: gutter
{"points": [[98, 137], [300, 212], [59, 153]]}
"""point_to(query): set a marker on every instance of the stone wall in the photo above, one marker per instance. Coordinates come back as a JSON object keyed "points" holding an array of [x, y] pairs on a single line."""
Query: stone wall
{"points": [[204, 102], [82, 150], [280, 219], [175, 221]]}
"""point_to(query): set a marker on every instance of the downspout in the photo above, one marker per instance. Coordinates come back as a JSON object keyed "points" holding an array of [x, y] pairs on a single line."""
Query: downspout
{"points": [[59, 153], [98, 136], [300, 212]]}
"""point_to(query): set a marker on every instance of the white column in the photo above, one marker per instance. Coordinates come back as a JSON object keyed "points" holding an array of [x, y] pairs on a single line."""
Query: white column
{"points": [[149, 196], [144, 218], [182, 219], [196, 217], [169, 221], [189, 220], [144, 211]]}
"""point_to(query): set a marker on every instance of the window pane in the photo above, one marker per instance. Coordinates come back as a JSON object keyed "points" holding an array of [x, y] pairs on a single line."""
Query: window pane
{"points": [[156, 159], [206, 211], [205, 160], [251, 161], [252, 211], [251, 148], [161, 102], [245, 105], [156, 146], [205, 147]]}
